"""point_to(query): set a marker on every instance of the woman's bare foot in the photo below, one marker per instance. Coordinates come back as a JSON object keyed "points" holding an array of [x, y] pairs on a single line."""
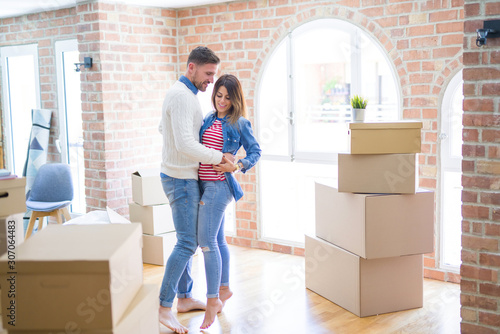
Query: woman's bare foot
{"points": [[214, 306], [224, 294], [189, 304], [168, 319]]}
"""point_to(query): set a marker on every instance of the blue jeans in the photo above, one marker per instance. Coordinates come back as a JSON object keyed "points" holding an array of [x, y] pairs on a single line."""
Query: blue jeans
{"points": [[214, 199], [184, 196]]}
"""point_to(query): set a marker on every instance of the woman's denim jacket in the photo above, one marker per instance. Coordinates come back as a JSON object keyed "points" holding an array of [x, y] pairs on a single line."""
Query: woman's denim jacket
{"points": [[235, 136]]}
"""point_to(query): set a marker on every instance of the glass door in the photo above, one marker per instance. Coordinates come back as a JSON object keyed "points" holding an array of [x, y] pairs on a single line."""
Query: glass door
{"points": [[21, 94], [70, 142]]}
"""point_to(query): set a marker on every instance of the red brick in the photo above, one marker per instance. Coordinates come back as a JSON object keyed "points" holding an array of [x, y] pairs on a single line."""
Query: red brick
{"points": [[473, 150], [476, 329], [440, 16], [471, 135], [446, 52], [282, 249], [478, 104], [246, 234], [449, 27], [481, 120], [434, 274], [469, 196], [424, 42], [490, 319], [421, 30], [471, 9], [452, 39], [492, 89], [494, 152], [492, 8], [478, 302], [478, 243], [475, 212], [490, 260], [492, 230], [483, 73], [398, 9], [469, 256]]}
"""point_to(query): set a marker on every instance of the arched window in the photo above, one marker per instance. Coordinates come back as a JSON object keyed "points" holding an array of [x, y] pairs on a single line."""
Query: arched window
{"points": [[303, 115], [451, 175]]}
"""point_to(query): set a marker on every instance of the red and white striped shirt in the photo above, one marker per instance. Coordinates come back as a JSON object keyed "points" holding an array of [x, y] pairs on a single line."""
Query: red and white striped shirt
{"points": [[212, 138]]}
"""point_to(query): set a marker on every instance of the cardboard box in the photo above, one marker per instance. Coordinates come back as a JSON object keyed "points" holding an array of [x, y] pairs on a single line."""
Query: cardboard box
{"points": [[363, 287], [385, 138], [147, 188], [378, 173], [82, 276], [376, 225], [157, 248], [11, 232], [141, 317], [155, 219], [12, 196]]}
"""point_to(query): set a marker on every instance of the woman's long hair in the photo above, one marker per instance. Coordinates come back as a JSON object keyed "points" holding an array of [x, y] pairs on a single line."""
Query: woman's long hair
{"points": [[238, 105]]}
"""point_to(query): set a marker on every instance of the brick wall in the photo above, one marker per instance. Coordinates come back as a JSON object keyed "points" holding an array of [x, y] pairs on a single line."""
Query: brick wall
{"points": [[480, 293], [135, 54], [138, 52]]}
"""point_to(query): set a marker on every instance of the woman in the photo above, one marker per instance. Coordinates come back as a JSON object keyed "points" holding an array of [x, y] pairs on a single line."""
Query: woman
{"points": [[225, 129]]}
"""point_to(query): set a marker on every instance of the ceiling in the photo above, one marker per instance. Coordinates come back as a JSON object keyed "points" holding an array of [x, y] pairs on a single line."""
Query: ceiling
{"points": [[9, 8]]}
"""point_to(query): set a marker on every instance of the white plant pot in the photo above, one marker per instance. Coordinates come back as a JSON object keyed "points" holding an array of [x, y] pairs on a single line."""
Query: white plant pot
{"points": [[358, 115]]}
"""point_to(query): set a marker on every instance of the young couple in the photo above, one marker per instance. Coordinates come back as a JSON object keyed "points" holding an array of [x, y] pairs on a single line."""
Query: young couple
{"points": [[199, 182]]}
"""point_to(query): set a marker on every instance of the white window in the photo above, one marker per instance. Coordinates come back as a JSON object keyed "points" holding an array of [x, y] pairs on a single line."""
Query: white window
{"points": [[304, 111], [70, 142], [451, 173], [21, 94]]}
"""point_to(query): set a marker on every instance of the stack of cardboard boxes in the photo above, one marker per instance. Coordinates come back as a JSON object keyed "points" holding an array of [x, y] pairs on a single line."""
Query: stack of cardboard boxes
{"points": [[12, 209], [78, 279], [371, 232], [150, 207]]}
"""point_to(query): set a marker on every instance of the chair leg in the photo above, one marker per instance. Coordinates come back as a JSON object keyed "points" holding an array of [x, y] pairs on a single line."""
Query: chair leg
{"points": [[31, 224], [40, 220], [66, 214], [58, 214]]}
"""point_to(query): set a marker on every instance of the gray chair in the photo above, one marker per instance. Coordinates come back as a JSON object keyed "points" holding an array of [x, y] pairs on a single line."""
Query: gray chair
{"points": [[50, 195]]}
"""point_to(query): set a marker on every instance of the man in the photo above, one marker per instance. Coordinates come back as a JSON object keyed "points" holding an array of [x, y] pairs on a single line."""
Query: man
{"points": [[180, 126]]}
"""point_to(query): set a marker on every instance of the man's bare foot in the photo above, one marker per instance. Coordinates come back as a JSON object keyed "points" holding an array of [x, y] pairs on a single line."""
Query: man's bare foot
{"points": [[224, 294], [168, 319], [214, 306], [189, 304]]}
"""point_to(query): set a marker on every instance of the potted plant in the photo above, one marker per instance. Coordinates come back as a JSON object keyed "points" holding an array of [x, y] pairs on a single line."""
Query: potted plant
{"points": [[358, 108]]}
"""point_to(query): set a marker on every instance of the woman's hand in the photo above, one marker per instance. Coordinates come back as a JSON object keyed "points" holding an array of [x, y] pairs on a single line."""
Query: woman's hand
{"points": [[225, 167]]}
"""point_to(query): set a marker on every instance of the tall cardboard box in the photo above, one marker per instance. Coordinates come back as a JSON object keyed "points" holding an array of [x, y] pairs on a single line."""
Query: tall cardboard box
{"points": [[363, 287], [376, 225], [385, 138], [157, 248], [378, 173], [11, 232], [147, 188], [155, 219], [12, 196], [141, 317], [83, 276]]}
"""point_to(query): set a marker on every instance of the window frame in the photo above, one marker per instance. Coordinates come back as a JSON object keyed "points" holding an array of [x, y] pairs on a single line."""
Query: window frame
{"points": [[5, 53]]}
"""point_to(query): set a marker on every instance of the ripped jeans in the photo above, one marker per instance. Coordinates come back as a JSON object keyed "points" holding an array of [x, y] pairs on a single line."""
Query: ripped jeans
{"points": [[215, 197]]}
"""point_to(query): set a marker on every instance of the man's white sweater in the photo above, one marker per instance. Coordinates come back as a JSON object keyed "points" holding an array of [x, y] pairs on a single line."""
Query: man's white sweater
{"points": [[180, 125]]}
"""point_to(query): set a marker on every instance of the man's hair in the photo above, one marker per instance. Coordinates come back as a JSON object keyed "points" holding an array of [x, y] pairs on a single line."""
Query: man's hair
{"points": [[202, 55]]}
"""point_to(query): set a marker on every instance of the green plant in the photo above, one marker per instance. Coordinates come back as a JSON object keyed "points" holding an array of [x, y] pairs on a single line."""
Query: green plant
{"points": [[357, 102]]}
